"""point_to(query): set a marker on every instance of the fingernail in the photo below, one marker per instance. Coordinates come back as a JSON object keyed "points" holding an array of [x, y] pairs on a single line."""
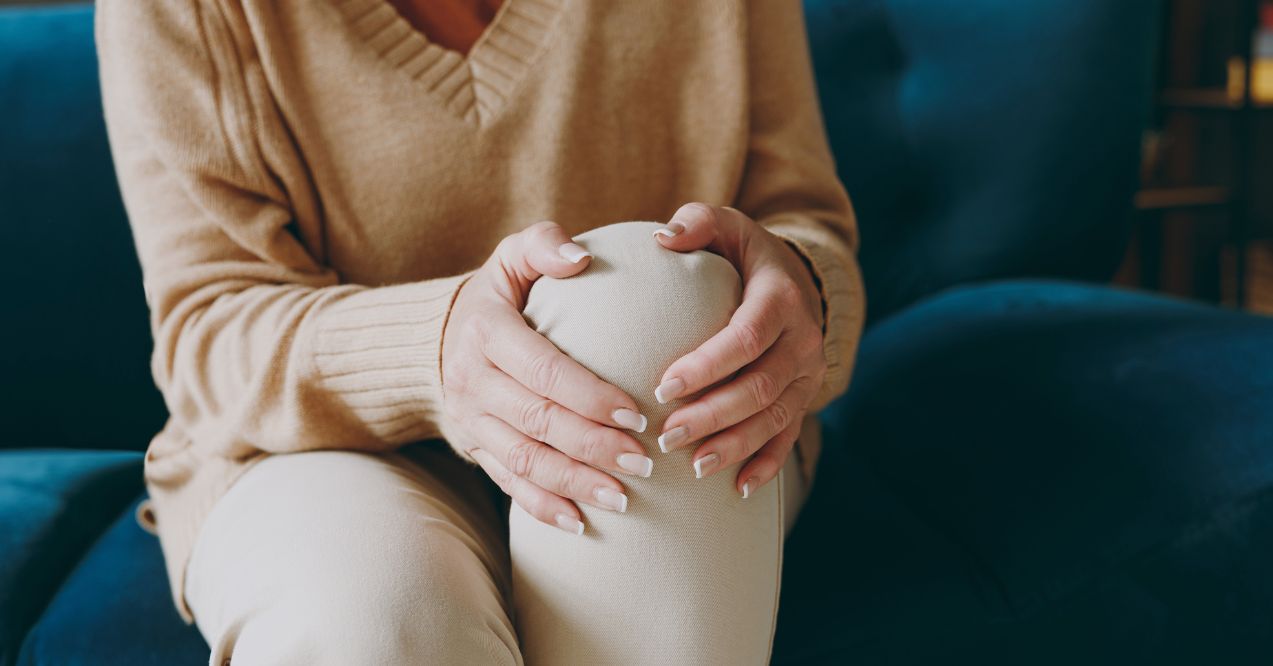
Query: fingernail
{"points": [[569, 524], [573, 253], [673, 438], [611, 499], [630, 419], [636, 463], [669, 390], [706, 465], [670, 229], [748, 485]]}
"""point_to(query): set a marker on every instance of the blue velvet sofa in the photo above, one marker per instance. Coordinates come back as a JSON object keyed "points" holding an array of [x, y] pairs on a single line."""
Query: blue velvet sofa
{"points": [[1030, 468]]}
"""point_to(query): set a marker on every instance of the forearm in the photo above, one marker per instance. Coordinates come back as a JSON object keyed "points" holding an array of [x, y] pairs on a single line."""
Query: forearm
{"points": [[285, 368]]}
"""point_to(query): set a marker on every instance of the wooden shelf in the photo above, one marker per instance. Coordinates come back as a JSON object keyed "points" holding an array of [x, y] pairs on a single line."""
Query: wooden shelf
{"points": [[1182, 197]]}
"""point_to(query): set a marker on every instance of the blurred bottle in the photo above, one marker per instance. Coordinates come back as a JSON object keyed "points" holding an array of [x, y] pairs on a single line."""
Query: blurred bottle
{"points": [[1261, 56]]}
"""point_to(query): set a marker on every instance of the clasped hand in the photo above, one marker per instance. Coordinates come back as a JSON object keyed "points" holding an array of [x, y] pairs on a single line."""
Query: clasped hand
{"points": [[550, 433]]}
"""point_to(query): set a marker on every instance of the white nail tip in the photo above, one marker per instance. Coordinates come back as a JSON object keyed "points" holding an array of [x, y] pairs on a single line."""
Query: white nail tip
{"points": [[709, 459], [610, 499], [569, 524], [669, 390], [747, 490], [630, 419], [672, 438], [637, 464], [665, 232], [573, 253]]}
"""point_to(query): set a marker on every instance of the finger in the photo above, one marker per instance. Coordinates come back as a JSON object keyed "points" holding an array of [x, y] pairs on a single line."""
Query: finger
{"points": [[539, 503], [757, 387], [541, 249], [737, 443], [546, 421], [692, 227], [752, 329], [768, 461], [537, 364], [700, 226], [547, 468]]}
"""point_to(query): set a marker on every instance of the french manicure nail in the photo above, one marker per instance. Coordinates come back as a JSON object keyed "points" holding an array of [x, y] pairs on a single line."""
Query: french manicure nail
{"points": [[630, 419], [569, 524], [706, 465], [747, 486], [573, 252], [673, 438], [669, 390], [611, 499], [636, 463], [670, 229]]}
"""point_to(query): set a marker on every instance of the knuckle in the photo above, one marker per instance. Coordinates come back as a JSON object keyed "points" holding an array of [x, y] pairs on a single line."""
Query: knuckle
{"points": [[788, 292], [780, 416], [698, 212], [535, 417], [763, 388], [522, 457], [508, 246], [542, 229], [750, 338], [571, 481], [591, 444], [544, 373]]}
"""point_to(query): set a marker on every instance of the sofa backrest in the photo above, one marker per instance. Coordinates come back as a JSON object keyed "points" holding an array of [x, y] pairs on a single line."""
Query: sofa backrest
{"points": [[978, 138], [74, 342], [984, 139]]}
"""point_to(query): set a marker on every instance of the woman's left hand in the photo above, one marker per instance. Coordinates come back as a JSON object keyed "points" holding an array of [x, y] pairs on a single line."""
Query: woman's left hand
{"points": [[773, 341]]}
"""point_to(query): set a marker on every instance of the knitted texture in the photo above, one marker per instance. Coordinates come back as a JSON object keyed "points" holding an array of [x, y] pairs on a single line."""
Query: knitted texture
{"points": [[309, 181]]}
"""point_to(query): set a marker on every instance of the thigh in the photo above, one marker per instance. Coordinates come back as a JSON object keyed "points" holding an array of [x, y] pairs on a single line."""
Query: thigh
{"points": [[342, 557], [690, 573]]}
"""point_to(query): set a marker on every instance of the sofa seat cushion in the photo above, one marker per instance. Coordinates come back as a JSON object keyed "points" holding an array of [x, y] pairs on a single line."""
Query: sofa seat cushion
{"points": [[53, 506], [115, 608], [1042, 472]]}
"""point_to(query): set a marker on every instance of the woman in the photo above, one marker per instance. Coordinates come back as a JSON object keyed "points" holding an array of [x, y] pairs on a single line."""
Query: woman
{"points": [[340, 221]]}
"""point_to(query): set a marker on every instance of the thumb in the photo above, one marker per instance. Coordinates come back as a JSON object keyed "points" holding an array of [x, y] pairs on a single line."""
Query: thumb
{"points": [[700, 226], [542, 249]]}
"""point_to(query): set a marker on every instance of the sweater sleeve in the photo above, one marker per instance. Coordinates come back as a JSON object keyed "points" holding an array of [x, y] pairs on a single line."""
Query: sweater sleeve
{"points": [[789, 182], [258, 344]]}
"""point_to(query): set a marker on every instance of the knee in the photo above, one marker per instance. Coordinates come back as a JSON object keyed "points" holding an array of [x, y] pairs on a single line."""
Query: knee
{"points": [[637, 307]]}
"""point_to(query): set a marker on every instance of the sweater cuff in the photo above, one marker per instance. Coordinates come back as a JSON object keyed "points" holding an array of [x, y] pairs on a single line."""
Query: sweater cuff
{"points": [[379, 353], [843, 298]]}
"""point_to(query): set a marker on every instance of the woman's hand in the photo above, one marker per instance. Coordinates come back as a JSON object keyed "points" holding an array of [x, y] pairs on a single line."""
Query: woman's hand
{"points": [[773, 341], [527, 413]]}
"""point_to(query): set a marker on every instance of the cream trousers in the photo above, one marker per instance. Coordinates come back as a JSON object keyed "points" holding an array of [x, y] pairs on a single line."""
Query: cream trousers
{"points": [[412, 557]]}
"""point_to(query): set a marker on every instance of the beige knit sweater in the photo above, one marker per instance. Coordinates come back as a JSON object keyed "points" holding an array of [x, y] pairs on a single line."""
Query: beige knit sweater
{"points": [[310, 180]]}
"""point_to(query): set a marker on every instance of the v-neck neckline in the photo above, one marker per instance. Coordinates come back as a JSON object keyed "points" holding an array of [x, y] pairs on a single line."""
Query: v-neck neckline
{"points": [[473, 87]]}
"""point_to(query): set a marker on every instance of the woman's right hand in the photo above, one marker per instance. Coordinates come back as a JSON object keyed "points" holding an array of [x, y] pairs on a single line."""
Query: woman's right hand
{"points": [[528, 414]]}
